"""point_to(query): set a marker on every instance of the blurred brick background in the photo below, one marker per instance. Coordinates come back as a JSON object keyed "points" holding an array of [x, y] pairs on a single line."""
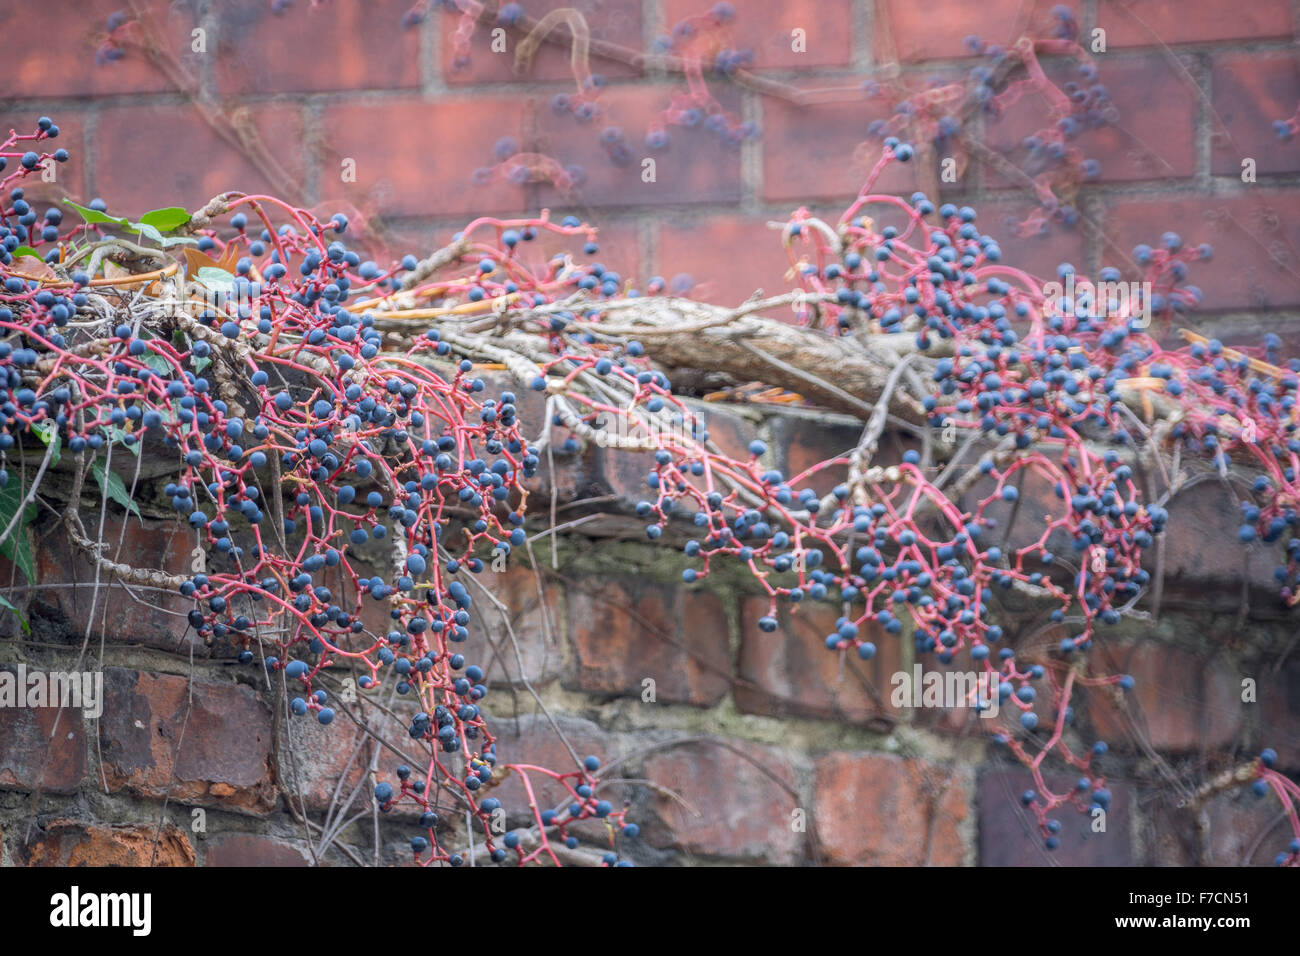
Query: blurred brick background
{"points": [[767, 727]]}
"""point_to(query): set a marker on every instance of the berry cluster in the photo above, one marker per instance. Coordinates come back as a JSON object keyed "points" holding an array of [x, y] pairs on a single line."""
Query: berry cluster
{"points": [[312, 412]]}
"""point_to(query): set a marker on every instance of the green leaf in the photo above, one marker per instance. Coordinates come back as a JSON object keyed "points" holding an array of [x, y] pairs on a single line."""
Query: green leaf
{"points": [[167, 219], [116, 434], [94, 216], [200, 362], [27, 628], [147, 230], [16, 547], [159, 364], [48, 432], [26, 251], [218, 280], [112, 485]]}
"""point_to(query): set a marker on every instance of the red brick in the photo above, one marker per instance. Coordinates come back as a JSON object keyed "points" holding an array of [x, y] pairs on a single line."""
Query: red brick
{"points": [[1209, 512], [697, 166], [734, 807], [1241, 829], [1254, 237], [323, 760], [625, 630], [1180, 702], [33, 756], [1156, 22], [1279, 696], [881, 810], [1250, 92], [155, 620], [1153, 137], [767, 30], [922, 32], [531, 740], [188, 162], [250, 849], [728, 430], [70, 177], [516, 588], [618, 246], [609, 21], [803, 443], [1009, 834], [49, 49], [822, 151], [314, 49], [708, 250], [416, 157], [1024, 243], [72, 843], [791, 673], [223, 759]]}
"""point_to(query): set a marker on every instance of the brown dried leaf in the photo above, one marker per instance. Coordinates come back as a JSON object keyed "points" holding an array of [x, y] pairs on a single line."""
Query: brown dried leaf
{"points": [[34, 267]]}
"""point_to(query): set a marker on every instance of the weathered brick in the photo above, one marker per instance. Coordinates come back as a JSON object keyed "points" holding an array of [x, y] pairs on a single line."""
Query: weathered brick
{"points": [[1254, 239], [768, 31], [530, 739], [626, 629], [1033, 245], [1152, 138], [323, 761], [618, 245], [199, 163], [909, 31], [34, 754], [1235, 829], [822, 151], [1009, 834], [70, 177], [608, 21], [880, 810], [802, 443], [531, 618], [1156, 22], [697, 167], [1279, 696], [314, 49], [731, 798], [154, 744], [1251, 90], [155, 621], [52, 53], [1180, 702], [791, 673], [250, 849], [708, 250], [416, 157], [72, 843]]}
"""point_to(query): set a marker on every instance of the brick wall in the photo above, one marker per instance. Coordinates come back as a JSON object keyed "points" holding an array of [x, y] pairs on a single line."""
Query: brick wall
{"points": [[769, 729]]}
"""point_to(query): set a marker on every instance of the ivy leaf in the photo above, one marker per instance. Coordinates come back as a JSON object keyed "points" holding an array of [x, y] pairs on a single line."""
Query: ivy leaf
{"points": [[16, 547], [147, 230], [48, 432], [112, 485], [117, 435], [218, 280], [167, 219], [25, 251], [159, 364], [27, 628], [90, 216]]}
